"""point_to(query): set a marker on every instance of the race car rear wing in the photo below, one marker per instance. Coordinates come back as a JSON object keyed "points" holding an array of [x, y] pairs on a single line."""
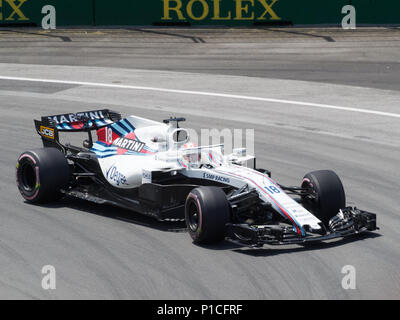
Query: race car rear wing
{"points": [[49, 126], [82, 121]]}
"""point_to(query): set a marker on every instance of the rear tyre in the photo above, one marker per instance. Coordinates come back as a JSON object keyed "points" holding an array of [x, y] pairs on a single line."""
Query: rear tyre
{"points": [[207, 211], [41, 173], [329, 194]]}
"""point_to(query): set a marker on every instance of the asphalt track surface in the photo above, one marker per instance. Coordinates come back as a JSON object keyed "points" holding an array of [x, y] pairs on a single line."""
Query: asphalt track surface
{"points": [[317, 99]]}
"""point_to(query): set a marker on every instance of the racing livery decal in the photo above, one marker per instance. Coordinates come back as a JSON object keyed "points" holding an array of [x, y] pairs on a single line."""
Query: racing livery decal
{"points": [[116, 177], [215, 177], [47, 132], [119, 139], [73, 121], [74, 117], [129, 144]]}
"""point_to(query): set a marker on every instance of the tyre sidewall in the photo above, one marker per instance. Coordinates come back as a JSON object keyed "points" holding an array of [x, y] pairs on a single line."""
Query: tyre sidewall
{"points": [[28, 159]]}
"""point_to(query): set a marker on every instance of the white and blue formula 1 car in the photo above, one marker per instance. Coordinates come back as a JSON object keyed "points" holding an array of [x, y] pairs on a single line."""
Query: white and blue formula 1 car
{"points": [[152, 168]]}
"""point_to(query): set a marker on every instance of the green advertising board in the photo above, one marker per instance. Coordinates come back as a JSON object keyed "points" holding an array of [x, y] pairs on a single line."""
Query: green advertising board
{"points": [[197, 12], [218, 12], [377, 11], [27, 12]]}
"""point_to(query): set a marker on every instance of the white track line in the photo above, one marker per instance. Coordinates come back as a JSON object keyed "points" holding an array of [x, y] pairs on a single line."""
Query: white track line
{"points": [[203, 93]]}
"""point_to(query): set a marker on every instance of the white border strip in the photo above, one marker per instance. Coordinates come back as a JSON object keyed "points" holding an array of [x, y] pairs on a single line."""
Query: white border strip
{"points": [[211, 94]]}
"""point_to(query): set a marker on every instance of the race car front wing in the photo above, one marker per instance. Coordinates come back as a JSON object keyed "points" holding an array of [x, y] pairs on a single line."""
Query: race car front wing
{"points": [[348, 221]]}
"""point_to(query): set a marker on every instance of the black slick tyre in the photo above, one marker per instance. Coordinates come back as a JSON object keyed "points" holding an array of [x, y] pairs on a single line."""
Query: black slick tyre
{"points": [[41, 174], [207, 211], [328, 192]]}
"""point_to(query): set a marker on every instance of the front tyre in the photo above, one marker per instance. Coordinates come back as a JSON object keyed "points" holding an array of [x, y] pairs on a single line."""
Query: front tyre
{"points": [[328, 194], [41, 173], [207, 212]]}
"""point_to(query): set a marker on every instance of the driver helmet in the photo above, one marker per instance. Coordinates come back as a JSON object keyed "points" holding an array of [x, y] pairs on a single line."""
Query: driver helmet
{"points": [[191, 155]]}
